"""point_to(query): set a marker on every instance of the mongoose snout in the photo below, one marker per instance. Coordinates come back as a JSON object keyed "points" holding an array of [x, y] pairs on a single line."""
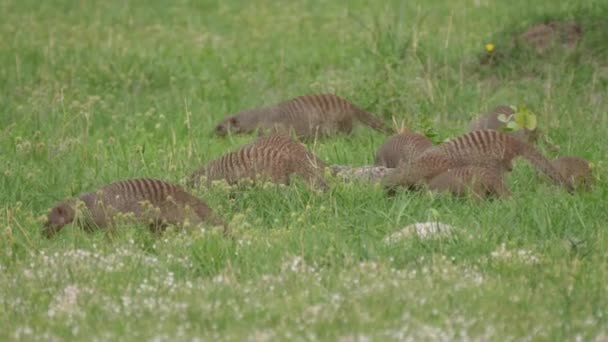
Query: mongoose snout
{"points": [[59, 216], [230, 124]]}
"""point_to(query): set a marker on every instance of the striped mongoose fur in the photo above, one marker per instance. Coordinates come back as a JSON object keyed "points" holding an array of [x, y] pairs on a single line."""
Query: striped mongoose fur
{"points": [[575, 170], [274, 158], [482, 182], [153, 202], [401, 148], [307, 116], [490, 121], [486, 148]]}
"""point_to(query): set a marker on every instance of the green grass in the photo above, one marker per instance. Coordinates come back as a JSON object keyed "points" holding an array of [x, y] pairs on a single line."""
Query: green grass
{"points": [[97, 91]]}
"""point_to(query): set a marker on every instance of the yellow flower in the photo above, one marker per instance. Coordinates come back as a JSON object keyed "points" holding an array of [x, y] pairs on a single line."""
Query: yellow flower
{"points": [[489, 47]]}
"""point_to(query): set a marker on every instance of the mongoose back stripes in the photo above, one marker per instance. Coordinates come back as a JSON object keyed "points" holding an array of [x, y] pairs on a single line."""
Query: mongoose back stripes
{"points": [[275, 158], [307, 116]]}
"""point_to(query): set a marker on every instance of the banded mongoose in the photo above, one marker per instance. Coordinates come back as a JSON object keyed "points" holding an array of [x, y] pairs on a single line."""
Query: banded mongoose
{"points": [[486, 148], [482, 182], [151, 201], [490, 121], [275, 158], [575, 170], [307, 116], [401, 148]]}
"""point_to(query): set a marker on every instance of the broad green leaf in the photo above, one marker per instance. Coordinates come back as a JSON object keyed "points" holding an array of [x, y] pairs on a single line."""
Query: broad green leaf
{"points": [[530, 121], [512, 126], [520, 119], [503, 118]]}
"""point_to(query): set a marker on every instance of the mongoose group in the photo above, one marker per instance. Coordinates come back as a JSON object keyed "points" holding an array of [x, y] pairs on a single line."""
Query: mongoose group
{"points": [[474, 163]]}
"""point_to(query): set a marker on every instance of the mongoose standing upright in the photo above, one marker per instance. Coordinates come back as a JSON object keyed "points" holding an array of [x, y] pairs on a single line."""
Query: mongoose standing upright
{"points": [[275, 157], [576, 171], [401, 148], [481, 181], [307, 116], [149, 201], [490, 121], [486, 148]]}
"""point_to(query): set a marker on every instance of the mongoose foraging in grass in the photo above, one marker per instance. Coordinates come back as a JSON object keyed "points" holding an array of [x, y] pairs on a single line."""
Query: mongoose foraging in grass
{"points": [[307, 116], [486, 148], [275, 158], [490, 121], [576, 171], [482, 182], [401, 148], [150, 201]]}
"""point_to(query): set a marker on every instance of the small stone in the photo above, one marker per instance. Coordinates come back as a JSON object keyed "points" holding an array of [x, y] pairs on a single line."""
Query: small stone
{"points": [[423, 230]]}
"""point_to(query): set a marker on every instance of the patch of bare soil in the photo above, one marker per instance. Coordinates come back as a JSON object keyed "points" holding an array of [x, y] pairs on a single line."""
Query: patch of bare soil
{"points": [[542, 37]]}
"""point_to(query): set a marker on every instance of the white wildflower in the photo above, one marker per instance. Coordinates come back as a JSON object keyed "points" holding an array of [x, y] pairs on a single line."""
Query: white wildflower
{"points": [[65, 302]]}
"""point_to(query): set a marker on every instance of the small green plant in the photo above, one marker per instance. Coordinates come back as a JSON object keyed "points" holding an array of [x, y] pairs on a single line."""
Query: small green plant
{"points": [[427, 127], [521, 118]]}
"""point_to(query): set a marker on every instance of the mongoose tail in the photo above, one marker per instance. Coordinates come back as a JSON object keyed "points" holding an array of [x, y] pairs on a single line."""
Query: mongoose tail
{"points": [[370, 120]]}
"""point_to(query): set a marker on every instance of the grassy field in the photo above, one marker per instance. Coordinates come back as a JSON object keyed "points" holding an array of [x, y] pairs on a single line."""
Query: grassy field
{"points": [[97, 91]]}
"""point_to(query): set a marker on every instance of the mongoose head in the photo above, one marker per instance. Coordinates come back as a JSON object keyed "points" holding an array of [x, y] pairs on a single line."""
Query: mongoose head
{"points": [[230, 124], [59, 216], [400, 177], [576, 171]]}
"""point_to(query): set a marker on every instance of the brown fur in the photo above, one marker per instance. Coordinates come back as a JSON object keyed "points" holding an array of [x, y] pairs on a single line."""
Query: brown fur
{"points": [[541, 37], [490, 121], [401, 148], [150, 201], [576, 171], [275, 158], [482, 182], [307, 116], [485, 148]]}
